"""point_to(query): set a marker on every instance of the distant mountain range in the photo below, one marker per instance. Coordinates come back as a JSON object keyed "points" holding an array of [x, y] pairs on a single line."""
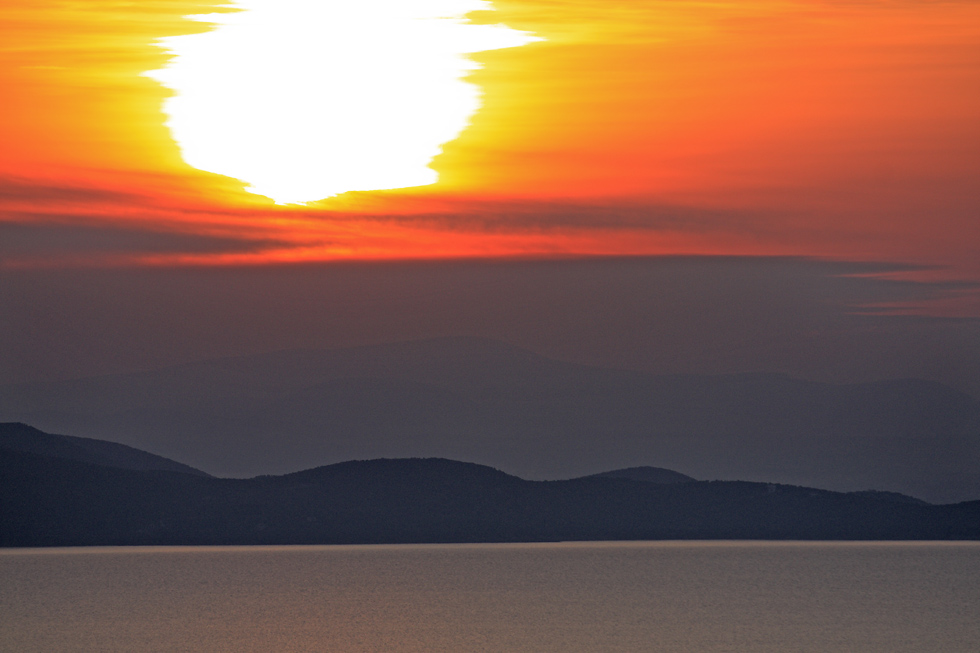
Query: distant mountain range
{"points": [[489, 402], [65, 491]]}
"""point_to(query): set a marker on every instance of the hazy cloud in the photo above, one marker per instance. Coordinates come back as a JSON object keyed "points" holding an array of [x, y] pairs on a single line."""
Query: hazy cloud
{"points": [[23, 190], [664, 314], [523, 217], [53, 242]]}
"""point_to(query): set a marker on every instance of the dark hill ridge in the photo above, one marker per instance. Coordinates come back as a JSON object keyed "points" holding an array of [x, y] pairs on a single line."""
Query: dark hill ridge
{"points": [[646, 474], [52, 501], [403, 469], [15, 436]]}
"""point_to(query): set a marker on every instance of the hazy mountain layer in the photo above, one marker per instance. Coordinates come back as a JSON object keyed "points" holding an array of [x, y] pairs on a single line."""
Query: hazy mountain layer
{"points": [[487, 402]]}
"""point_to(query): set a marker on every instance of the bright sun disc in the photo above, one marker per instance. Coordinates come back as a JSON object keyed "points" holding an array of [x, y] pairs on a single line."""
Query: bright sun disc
{"points": [[306, 99]]}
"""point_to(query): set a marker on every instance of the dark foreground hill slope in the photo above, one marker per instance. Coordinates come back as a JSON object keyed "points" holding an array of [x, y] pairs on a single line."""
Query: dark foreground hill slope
{"points": [[15, 436], [48, 501]]}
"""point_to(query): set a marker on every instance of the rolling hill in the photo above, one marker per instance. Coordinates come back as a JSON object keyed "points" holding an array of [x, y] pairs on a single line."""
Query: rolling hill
{"points": [[61, 501]]}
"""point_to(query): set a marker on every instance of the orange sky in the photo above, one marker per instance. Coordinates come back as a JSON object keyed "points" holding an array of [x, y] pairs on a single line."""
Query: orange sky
{"points": [[832, 129]]}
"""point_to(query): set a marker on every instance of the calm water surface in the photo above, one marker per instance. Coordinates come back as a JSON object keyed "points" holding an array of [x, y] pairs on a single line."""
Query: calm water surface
{"points": [[597, 597]]}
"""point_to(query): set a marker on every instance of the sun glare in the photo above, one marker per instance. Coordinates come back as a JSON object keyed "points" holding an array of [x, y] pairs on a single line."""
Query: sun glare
{"points": [[306, 99]]}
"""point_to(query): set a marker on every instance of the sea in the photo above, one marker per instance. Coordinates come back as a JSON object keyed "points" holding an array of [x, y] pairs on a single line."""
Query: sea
{"points": [[677, 597]]}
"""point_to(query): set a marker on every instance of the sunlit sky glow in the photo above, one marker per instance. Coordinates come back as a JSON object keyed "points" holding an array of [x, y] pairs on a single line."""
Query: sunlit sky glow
{"points": [[814, 128], [306, 99]]}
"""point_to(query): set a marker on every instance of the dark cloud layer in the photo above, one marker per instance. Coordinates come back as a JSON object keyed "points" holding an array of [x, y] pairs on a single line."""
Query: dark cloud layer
{"points": [[804, 317], [18, 190], [54, 242], [554, 216]]}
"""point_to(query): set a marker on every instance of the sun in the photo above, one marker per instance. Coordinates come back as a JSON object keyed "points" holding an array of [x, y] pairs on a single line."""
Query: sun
{"points": [[306, 99]]}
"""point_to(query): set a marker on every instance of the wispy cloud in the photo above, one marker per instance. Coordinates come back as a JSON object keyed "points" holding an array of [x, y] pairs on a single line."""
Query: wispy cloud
{"points": [[70, 242]]}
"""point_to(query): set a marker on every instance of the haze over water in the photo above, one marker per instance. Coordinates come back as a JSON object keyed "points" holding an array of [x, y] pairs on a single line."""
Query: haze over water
{"points": [[633, 596]]}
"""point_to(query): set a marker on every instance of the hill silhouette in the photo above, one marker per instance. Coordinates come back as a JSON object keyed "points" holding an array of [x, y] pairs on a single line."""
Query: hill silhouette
{"points": [[57, 501], [15, 436], [646, 474]]}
